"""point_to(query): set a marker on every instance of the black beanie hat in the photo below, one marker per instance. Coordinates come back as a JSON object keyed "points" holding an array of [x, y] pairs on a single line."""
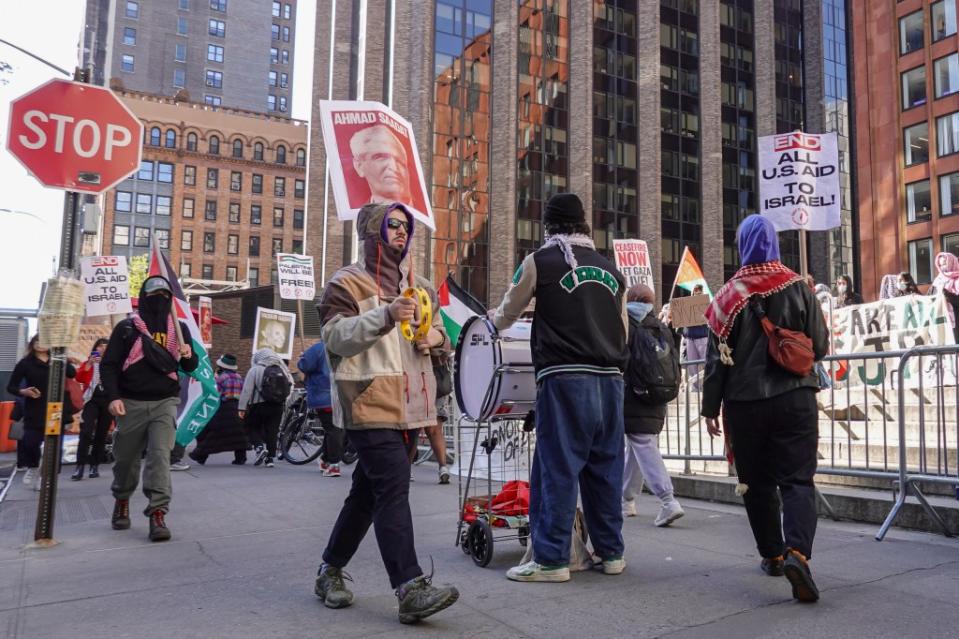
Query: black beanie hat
{"points": [[564, 208]]}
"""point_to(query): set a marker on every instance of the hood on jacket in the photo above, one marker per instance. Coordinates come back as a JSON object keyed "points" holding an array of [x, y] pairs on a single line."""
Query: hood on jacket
{"points": [[757, 241], [388, 265], [154, 309], [267, 357]]}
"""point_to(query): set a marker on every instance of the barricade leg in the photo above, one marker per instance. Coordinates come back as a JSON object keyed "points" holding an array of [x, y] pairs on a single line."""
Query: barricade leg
{"points": [[933, 514]]}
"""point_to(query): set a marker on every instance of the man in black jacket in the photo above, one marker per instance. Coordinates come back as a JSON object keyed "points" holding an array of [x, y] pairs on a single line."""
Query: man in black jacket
{"points": [[579, 353], [139, 373]]}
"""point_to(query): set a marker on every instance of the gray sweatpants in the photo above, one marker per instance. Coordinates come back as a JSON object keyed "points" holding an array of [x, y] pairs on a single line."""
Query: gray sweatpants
{"points": [[150, 425]]}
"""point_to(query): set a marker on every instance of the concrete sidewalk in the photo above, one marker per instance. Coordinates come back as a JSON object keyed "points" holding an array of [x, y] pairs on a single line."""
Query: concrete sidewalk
{"points": [[247, 541]]}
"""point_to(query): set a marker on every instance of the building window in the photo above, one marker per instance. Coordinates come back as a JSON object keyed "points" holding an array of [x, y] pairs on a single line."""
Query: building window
{"points": [[271, 78], [298, 219], [299, 188], [282, 104], [213, 100], [918, 202], [212, 178], [258, 151], [276, 9], [189, 175], [254, 246], [286, 34], [281, 154], [191, 141], [253, 277], [155, 136], [208, 271], [214, 79], [298, 247], [949, 194], [301, 157], [126, 63], [943, 19], [910, 32], [238, 148], [278, 216], [123, 201], [209, 242], [233, 244], [163, 238], [218, 5], [179, 79], [121, 235], [144, 203], [947, 134], [141, 237], [287, 11], [169, 139], [164, 204], [130, 36], [214, 53], [285, 56], [920, 260], [133, 9], [145, 173], [271, 102], [277, 245], [179, 53], [185, 269], [274, 55], [279, 187], [186, 240], [284, 80], [913, 87], [256, 214], [257, 183], [916, 141], [230, 273], [947, 75], [165, 171], [210, 212], [236, 181], [181, 26], [214, 145], [234, 213], [218, 28], [275, 32], [184, 5], [188, 207]]}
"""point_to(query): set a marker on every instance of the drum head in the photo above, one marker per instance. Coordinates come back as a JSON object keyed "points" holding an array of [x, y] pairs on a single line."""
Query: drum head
{"points": [[475, 363]]}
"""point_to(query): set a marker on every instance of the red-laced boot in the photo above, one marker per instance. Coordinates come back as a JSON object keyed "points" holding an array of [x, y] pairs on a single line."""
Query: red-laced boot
{"points": [[158, 529]]}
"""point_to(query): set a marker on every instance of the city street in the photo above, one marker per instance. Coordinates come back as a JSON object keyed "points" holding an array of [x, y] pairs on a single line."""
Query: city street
{"points": [[246, 544]]}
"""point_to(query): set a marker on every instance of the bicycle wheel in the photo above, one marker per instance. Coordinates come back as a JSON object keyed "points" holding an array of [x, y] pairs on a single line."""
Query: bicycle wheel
{"points": [[302, 442]]}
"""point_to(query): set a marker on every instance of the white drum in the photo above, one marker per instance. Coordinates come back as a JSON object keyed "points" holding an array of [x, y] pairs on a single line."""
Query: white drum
{"points": [[494, 374]]}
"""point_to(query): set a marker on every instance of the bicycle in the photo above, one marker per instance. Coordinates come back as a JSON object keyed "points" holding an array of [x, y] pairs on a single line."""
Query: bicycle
{"points": [[301, 433]]}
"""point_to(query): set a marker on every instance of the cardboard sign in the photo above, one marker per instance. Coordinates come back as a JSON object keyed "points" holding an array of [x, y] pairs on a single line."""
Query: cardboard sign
{"points": [[107, 285], [688, 311], [799, 181], [294, 275], [205, 313], [274, 330], [632, 260]]}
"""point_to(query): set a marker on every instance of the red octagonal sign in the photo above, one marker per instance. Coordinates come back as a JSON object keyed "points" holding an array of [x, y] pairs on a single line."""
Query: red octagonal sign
{"points": [[75, 136]]}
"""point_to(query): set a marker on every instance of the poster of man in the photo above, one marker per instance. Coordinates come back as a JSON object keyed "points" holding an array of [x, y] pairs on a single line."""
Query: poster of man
{"points": [[373, 158], [274, 330], [205, 313]]}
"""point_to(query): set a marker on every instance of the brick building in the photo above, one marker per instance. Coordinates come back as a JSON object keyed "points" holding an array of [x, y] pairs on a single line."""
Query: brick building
{"points": [[223, 190]]}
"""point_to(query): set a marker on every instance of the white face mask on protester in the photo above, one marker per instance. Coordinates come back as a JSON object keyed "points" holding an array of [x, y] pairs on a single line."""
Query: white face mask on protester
{"points": [[841, 288], [902, 286]]}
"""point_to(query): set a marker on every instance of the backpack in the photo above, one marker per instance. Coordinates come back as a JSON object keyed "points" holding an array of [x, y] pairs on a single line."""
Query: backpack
{"points": [[274, 386], [653, 374]]}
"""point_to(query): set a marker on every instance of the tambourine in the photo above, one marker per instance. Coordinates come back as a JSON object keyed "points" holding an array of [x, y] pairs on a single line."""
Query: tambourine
{"points": [[424, 313]]}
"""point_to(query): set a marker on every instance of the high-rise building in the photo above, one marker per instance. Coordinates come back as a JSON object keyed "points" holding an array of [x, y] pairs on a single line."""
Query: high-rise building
{"points": [[648, 109], [235, 53], [907, 117]]}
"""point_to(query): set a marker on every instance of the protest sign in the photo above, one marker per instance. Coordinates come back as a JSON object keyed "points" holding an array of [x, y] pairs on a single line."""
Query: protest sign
{"points": [[688, 311], [274, 330], [373, 158], [106, 282], [799, 181], [632, 260], [511, 457], [205, 314], [294, 274]]}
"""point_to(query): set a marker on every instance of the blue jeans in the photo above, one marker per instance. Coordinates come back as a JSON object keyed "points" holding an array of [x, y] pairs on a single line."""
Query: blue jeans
{"points": [[579, 440]]}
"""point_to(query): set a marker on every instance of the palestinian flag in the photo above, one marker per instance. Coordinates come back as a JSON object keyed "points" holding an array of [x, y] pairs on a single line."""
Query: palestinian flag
{"points": [[690, 275], [456, 307], [199, 398]]}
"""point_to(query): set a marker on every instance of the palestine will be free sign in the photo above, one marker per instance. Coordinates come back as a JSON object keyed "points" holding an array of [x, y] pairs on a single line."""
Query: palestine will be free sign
{"points": [[799, 181], [295, 276]]}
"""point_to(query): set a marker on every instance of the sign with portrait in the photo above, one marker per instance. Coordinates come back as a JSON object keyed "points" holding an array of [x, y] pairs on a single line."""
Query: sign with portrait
{"points": [[799, 181], [274, 330], [106, 282], [373, 158], [205, 316]]}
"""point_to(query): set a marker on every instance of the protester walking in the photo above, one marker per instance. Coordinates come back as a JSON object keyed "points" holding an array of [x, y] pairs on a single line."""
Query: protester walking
{"points": [[579, 354], [315, 367], [769, 410], [139, 374], [652, 381], [95, 418], [261, 404], [846, 295], [28, 382], [383, 388], [225, 432]]}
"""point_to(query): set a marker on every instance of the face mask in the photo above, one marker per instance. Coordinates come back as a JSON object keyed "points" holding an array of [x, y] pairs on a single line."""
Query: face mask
{"points": [[841, 288], [902, 286]]}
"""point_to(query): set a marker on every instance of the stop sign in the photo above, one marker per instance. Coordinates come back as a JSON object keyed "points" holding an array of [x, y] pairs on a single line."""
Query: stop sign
{"points": [[75, 136]]}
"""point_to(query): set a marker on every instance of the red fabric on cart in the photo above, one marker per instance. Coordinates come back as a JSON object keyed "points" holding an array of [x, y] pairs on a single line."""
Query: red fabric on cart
{"points": [[513, 500]]}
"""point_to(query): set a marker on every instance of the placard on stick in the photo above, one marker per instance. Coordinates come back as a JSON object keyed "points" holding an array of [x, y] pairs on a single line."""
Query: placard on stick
{"points": [[106, 282], [632, 260], [688, 311]]}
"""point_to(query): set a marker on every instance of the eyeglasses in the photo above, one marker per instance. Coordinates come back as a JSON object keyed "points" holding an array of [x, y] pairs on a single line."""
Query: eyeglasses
{"points": [[395, 224]]}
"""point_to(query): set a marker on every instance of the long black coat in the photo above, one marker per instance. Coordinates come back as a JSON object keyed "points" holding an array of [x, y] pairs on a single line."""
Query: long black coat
{"points": [[640, 418], [224, 433], [30, 371]]}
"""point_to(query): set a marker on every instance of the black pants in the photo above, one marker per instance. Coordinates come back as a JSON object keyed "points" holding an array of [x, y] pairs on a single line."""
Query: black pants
{"points": [[94, 424], [379, 496], [263, 424], [333, 438], [775, 442], [28, 448]]}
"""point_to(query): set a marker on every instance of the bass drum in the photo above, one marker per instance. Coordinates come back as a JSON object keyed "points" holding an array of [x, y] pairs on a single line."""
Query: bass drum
{"points": [[480, 392]]}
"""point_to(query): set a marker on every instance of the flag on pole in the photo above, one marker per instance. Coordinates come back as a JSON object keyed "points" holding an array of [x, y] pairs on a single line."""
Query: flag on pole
{"points": [[199, 398], [690, 275], [456, 307]]}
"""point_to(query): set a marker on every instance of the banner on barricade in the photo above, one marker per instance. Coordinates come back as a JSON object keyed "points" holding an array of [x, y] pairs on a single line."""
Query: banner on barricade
{"points": [[510, 458], [632, 260]]}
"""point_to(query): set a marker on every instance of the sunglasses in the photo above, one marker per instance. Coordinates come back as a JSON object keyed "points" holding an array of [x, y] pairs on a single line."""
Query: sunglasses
{"points": [[393, 223]]}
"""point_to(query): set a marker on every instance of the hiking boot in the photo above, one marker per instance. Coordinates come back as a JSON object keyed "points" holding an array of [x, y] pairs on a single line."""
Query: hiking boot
{"points": [[94, 471], [444, 475], [331, 588], [772, 566], [670, 512], [158, 529], [78, 473], [629, 508], [419, 599], [532, 571], [121, 514], [796, 569]]}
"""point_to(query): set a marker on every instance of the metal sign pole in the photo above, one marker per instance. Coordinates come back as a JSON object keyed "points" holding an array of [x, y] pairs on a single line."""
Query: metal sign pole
{"points": [[803, 254]]}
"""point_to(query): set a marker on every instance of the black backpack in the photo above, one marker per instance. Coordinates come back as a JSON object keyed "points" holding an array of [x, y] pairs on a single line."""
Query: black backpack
{"points": [[653, 374], [274, 386]]}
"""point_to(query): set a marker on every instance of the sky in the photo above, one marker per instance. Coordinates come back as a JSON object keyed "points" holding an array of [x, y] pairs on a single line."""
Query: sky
{"points": [[30, 214]]}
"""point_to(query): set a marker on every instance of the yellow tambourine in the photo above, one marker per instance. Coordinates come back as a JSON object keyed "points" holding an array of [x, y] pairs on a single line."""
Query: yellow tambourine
{"points": [[424, 313]]}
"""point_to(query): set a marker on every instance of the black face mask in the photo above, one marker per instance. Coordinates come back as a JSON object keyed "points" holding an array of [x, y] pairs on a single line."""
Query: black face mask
{"points": [[154, 310]]}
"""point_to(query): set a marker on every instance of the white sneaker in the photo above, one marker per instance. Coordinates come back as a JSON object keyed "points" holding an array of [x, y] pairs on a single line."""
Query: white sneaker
{"points": [[614, 566], [670, 512], [532, 571], [180, 465], [29, 475], [629, 508], [444, 475]]}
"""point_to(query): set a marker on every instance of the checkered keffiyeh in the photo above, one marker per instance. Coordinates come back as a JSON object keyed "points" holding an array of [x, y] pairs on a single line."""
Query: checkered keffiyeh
{"points": [[756, 279], [172, 343]]}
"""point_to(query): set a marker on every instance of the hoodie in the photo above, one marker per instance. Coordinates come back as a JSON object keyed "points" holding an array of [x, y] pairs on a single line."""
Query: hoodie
{"points": [[262, 359], [140, 381], [640, 418]]}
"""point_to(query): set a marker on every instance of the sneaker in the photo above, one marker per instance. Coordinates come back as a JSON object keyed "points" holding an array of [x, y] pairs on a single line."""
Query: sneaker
{"points": [[444, 475], [419, 599], [200, 460], [158, 529], [180, 465], [269, 462], [29, 475], [614, 565], [94, 471], [330, 470], [629, 508], [412, 478], [121, 514], [670, 512], [772, 566], [330, 587], [796, 569], [532, 571]]}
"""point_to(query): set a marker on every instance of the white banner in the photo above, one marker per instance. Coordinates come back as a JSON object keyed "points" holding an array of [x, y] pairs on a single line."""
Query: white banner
{"points": [[799, 181], [632, 260], [294, 274], [509, 459], [107, 285]]}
